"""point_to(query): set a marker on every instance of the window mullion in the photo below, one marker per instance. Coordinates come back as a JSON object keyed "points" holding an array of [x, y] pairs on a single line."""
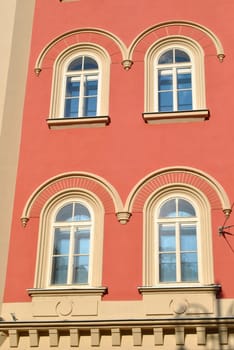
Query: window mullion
{"points": [[82, 90], [71, 255], [178, 255], [71, 249], [175, 101]]}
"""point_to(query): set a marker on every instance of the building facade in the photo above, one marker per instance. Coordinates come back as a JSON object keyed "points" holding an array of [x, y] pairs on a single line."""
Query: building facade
{"points": [[116, 148]]}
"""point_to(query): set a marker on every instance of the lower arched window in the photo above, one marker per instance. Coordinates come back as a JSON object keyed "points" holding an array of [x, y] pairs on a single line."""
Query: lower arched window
{"points": [[176, 241], [71, 244], [177, 238]]}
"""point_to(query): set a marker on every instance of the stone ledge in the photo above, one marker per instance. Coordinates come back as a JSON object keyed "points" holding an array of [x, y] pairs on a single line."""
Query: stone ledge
{"points": [[85, 122], [176, 117]]}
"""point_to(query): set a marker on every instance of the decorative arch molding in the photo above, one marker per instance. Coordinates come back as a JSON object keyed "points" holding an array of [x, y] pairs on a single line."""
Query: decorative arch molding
{"points": [[165, 178], [82, 181], [204, 36], [172, 176], [107, 40], [116, 47]]}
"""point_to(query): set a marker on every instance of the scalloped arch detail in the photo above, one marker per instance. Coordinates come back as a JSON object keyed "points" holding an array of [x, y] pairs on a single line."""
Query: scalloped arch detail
{"points": [[204, 36], [118, 51], [142, 191], [115, 47], [106, 193], [169, 177]]}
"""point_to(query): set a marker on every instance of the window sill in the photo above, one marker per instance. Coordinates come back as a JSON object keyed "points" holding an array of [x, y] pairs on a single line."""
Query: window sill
{"points": [[66, 302], [41, 292], [176, 117], [179, 300], [85, 122], [213, 288]]}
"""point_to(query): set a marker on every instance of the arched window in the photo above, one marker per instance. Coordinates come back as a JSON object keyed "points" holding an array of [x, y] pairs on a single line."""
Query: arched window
{"points": [[70, 242], [176, 241], [177, 238], [173, 81], [71, 245], [81, 90]]}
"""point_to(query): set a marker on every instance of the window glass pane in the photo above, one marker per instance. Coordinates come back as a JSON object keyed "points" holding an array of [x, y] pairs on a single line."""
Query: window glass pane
{"points": [[82, 239], [181, 56], [167, 238], [185, 100], [65, 213], [59, 270], [71, 99], [81, 213], [166, 57], [167, 268], [80, 269], [91, 87], [76, 64], [188, 238], [185, 209], [90, 63], [90, 106], [61, 241], [184, 79], [71, 108], [189, 271], [168, 209], [73, 87], [165, 80], [165, 101]]}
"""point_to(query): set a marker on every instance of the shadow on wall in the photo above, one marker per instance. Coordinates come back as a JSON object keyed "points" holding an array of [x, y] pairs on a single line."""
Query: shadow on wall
{"points": [[213, 332]]}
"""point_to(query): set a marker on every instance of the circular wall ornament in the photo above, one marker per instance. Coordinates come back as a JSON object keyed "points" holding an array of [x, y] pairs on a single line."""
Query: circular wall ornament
{"points": [[179, 306], [64, 308]]}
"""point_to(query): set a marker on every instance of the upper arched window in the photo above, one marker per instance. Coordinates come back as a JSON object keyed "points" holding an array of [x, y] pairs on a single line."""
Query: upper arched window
{"points": [[81, 88], [80, 92], [175, 84], [174, 81]]}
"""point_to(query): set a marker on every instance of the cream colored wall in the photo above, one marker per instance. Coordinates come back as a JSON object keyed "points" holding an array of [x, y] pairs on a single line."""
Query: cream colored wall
{"points": [[6, 32], [75, 306], [15, 34], [118, 324]]}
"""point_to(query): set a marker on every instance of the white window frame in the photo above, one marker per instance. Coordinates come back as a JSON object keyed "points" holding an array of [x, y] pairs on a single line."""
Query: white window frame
{"points": [[199, 112], [80, 76], [204, 235], [73, 226], [56, 116], [176, 222], [45, 242], [173, 67]]}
